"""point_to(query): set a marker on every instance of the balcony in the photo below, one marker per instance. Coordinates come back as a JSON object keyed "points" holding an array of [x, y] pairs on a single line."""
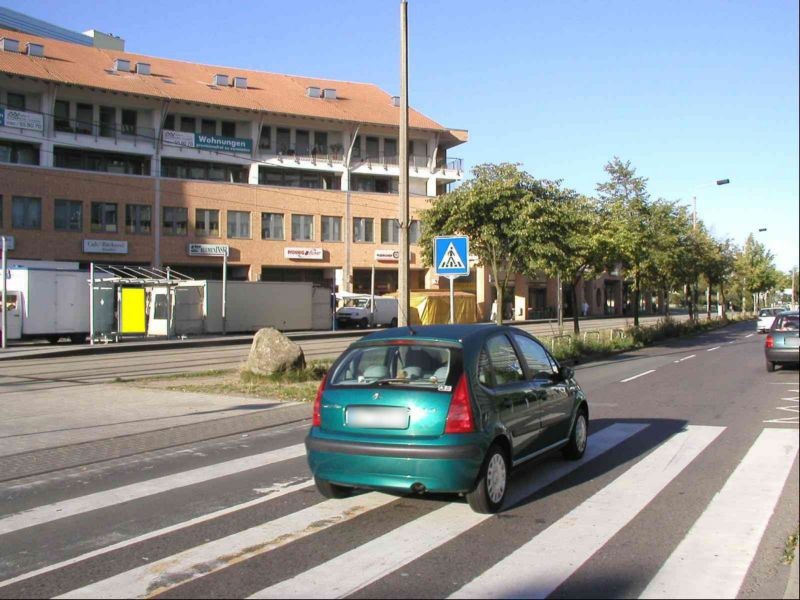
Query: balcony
{"points": [[128, 134], [291, 154]]}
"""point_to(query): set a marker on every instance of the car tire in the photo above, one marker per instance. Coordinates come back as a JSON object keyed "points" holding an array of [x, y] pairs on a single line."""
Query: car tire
{"points": [[578, 437], [393, 323], [770, 366], [363, 323], [490, 489], [331, 490]]}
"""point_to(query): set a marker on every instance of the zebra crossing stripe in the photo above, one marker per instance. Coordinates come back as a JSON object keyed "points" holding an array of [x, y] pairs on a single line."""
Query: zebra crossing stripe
{"points": [[537, 568], [134, 491], [349, 572], [713, 559], [159, 576]]}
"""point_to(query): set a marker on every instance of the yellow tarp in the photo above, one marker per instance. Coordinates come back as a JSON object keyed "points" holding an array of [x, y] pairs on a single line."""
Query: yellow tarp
{"points": [[429, 307], [132, 310]]}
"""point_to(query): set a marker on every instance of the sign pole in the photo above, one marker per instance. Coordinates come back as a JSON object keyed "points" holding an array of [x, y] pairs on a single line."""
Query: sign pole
{"points": [[372, 295], [5, 308], [224, 291], [91, 304], [452, 301]]}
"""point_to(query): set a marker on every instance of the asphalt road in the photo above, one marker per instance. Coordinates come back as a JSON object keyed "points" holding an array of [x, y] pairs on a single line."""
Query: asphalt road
{"points": [[689, 489]]}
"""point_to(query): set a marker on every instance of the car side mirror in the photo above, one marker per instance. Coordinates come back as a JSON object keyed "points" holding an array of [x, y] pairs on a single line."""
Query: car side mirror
{"points": [[566, 373]]}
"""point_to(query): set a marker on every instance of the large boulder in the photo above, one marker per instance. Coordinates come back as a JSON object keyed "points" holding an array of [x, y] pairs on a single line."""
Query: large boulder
{"points": [[273, 352]]}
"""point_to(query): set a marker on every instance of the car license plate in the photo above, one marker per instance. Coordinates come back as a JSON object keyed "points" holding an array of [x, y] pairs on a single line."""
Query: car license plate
{"points": [[792, 342], [377, 417]]}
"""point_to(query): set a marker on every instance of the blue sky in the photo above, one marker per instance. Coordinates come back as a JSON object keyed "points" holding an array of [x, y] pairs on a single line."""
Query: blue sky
{"points": [[689, 92]]}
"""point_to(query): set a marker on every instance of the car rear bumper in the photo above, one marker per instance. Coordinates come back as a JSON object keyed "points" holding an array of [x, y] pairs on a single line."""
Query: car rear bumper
{"points": [[783, 355], [440, 468]]}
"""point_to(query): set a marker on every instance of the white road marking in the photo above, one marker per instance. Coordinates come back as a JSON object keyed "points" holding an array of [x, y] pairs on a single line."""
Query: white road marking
{"points": [[686, 358], [713, 559], [98, 500], [279, 491], [354, 570], [544, 563], [637, 376], [714, 348], [791, 408], [749, 335], [157, 577]]}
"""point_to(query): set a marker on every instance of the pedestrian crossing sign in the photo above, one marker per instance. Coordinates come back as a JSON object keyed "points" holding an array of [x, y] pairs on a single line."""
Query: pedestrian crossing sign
{"points": [[450, 255]]}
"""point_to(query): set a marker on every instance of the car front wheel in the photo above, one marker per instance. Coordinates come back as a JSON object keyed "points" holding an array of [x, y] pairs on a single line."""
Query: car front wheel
{"points": [[577, 439], [490, 490]]}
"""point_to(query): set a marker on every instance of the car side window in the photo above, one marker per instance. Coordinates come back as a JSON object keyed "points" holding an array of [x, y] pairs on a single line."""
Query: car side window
{"points": [[485, 369], [506, 367], [539, 364]]}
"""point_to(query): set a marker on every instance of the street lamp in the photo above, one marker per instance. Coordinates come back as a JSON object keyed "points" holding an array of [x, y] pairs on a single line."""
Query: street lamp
{"points": [[725, 181], [694, 198]]}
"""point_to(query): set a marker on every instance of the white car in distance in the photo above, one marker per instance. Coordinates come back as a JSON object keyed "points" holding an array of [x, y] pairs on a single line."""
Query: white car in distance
{"points": [[765, 318]]}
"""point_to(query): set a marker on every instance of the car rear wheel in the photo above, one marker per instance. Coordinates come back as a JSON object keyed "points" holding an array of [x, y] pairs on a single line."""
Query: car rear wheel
{"points": [[393, 323], [577, 439], [770, 366], [490, 490], [331, 490], [363, 323]]}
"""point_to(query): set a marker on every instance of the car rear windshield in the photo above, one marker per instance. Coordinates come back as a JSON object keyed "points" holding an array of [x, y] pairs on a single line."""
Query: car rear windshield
{"points": [[419, 365], [787, 323]]}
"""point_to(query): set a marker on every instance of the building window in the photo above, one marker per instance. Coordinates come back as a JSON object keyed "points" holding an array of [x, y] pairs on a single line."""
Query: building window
{"points": [[320, 142], [129, 121], [298, 178], [138, 218], [390, 149], [68, 215], [26, 213], [208, 127], [383, 185], [284, 141], [302, 227], [175, 220], [169, 122], [206, 222], [15, 101], [265, 141], [109, 162], [302, 142], [22, 154], [373, 146], [194, 169], [61, 114], [390, 231], [331, 229], [228, 129], [104, 217], [108, 121], [271, 226], [84, 118], [357, 147], [414, 232], [363, 229], [238, 224], [187, 124]]}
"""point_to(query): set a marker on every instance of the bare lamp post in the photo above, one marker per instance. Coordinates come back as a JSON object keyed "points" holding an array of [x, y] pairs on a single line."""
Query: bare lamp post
{"points": [[694, 226]]}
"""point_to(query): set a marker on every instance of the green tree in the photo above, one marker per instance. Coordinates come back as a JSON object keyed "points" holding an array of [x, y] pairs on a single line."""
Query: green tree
{"points": [[492, 209], [626, 203], [720, 267], [755, 270]]}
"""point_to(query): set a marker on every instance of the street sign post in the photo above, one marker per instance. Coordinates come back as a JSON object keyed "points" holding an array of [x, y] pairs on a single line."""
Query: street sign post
{"points": [[451, 260]]}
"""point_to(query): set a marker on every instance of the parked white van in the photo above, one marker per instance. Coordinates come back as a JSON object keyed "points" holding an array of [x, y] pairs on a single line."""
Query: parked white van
{"points": [[358, 312]]}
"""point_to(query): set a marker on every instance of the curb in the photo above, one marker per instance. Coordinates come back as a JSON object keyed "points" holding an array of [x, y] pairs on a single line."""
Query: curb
{"points": [[793, 585]]}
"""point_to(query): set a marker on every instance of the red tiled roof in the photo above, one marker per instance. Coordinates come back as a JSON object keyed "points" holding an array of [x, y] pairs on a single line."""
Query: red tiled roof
{"points": [[74, 64]]}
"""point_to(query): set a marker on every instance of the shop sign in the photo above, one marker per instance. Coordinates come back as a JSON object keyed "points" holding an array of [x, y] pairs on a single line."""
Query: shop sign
{"points": [[105, 247], [9, 242], [387, 255], [303, 253], [208, 249], [21, 119], [207, 142]]}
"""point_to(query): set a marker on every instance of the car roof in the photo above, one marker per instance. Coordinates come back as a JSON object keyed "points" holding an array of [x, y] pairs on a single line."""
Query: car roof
{"points": [[461, 333]]}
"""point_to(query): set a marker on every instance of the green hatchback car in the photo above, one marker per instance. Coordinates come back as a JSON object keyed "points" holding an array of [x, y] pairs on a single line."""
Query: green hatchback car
{"points": [[442, 408]]}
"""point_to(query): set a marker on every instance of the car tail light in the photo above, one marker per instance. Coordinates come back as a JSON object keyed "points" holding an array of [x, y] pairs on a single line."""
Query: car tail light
{"points": [[316, 419], [770, 342], [459, 416]]}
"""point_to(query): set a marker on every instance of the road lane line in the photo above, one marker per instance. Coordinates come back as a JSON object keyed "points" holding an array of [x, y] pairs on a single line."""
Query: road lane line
{"points": [[750, 335], [159, 576], [354, 570], [537, 568], [714, 348], [713, 559], [134, 491], [686, 358], [637, 376], [279, 491]]}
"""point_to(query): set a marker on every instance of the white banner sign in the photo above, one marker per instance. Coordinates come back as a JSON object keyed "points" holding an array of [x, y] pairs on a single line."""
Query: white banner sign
{"points": [[303, 253], [22, 119], [208, 250], [105, 247], [178, 138], [387, 255]]}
